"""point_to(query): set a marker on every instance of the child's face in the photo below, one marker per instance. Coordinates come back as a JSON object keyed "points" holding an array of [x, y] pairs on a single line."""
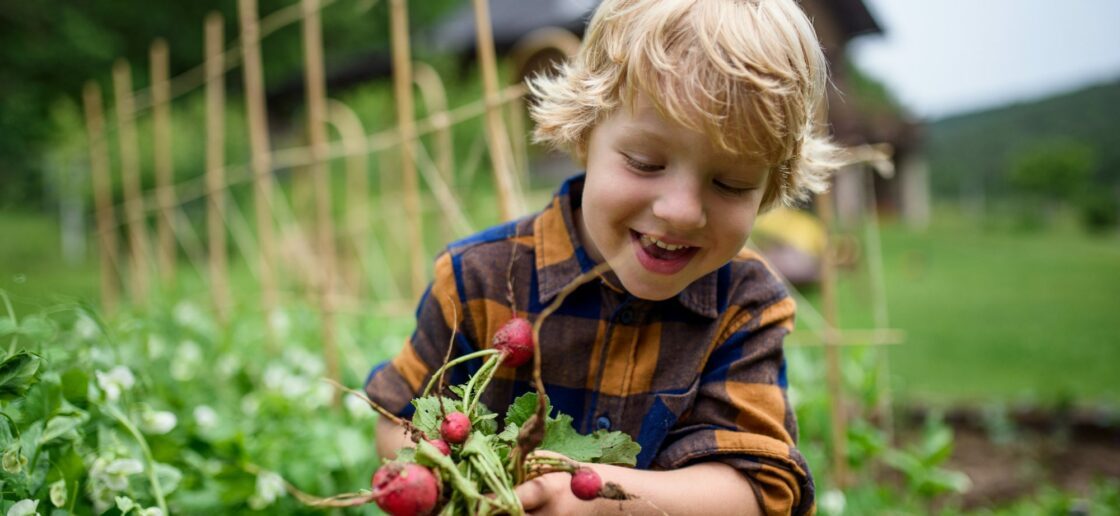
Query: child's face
{"points": [[662, 204]]}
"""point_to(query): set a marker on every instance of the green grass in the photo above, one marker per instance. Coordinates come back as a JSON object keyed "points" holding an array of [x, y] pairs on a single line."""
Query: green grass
{"points": [[993, 314], [990, 313], [33, 271]]}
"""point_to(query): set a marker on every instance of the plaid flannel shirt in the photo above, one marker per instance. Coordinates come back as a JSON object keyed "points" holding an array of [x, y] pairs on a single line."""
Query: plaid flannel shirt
{"points": [[697, 377]]}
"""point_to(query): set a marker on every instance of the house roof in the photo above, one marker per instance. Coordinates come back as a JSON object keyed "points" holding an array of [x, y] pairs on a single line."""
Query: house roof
{"points": [[512, 19], [854, 18]]}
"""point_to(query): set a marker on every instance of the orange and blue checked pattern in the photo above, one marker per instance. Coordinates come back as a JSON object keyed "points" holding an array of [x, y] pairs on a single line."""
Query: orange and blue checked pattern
{"points": [[697, 377]]}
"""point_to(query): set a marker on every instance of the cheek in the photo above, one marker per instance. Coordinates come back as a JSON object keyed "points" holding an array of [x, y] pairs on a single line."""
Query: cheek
{"points": [[611, 195], [735, 227]]}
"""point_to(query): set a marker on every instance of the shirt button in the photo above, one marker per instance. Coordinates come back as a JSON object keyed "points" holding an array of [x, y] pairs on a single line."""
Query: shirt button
{"points": [[626, 316], [603, 423]]}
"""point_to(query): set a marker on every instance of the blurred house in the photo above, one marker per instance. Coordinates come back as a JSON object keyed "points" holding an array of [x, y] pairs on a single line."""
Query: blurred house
{"points": [[862, 112]]}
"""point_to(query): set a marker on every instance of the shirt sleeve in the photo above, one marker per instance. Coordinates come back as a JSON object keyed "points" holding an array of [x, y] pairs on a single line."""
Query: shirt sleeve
{"points": [[742, 416], [394, 383]]}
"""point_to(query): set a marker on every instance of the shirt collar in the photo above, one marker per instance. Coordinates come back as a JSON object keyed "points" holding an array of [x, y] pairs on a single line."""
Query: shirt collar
{"points": [[561, 257]]}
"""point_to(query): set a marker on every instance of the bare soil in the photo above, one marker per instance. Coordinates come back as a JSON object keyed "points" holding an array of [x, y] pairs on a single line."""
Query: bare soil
{"points": [[1014, 456]]}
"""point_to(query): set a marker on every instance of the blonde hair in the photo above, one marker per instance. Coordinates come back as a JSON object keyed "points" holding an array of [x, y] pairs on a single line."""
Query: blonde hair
{"points": [[750, 74]]}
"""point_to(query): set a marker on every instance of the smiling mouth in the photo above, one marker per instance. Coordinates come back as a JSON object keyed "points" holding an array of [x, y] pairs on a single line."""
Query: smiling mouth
{"points": [[662, 257], [648, 241]]}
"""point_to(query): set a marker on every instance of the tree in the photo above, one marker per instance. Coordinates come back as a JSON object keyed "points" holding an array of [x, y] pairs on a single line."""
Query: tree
{"points": [[1057, 170]]}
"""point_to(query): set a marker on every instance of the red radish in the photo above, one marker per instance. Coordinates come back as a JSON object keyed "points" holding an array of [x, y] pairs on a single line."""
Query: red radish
{"points": [[440, 445], [515, 340], [405, 489], [586, 484], [455, 428]]}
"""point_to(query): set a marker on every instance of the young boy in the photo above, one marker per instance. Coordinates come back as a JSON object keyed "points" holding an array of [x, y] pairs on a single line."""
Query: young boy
{"points": [[690, 117]]}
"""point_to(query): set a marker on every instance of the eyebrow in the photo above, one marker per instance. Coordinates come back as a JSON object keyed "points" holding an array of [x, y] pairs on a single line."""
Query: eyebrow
{"points": [[637, 131]]}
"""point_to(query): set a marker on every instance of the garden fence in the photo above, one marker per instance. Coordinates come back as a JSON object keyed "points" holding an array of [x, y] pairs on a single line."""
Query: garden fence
{"points": [[351, 279]]}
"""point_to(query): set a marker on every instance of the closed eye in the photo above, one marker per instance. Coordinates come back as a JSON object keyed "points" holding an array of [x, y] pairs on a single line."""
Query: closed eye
{"points": [[732, 189], [641, 166]]}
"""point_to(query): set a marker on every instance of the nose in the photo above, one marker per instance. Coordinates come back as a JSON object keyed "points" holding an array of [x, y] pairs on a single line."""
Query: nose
{"points": [[680, 204]]}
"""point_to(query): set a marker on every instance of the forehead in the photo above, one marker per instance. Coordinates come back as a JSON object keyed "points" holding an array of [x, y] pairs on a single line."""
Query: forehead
{"points": [[724, 133], [642, 122]]}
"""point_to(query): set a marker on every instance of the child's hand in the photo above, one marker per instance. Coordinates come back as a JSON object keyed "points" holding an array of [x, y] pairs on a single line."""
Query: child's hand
{"points": [[550, 493]]}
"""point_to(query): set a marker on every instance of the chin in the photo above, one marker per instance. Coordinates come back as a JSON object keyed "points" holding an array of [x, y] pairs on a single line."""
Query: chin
{"points": [[649, 294]]}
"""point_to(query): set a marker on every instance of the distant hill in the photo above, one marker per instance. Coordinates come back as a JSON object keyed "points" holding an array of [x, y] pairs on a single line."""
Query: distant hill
{"points": [[982, 145]]}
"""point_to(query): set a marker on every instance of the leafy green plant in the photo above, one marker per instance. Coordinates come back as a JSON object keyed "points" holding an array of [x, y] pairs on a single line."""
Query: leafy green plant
{"points": [[162, 414]]}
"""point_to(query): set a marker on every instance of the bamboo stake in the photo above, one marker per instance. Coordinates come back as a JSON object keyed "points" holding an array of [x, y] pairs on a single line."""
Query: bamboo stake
{"points": [[519, 146], [215, 163], [161, 127], [317, 133], [349, 126], [495, 126], [402, 88], [839, 425], [103, 197], [878, 301], [453, 215], [261, 158], [186, 236], [435, 102], [130, 172], [529, 46]]}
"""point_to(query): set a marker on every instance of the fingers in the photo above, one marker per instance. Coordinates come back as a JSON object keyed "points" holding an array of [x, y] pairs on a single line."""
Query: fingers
{"points": [[533, 494]]}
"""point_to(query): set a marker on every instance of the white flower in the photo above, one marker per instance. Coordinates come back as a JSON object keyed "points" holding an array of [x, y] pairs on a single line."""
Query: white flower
{"points": [[117, 380], [25, 508], [275, 376], [58, 493], [158, 422], [228, 365], [280, 379], [319, 395], [115, 475], [190, 316], [296, 387], [280, 322], [151, 511], [156, 346], [125, 504], [270, 486], [14, 460], [304, 361], [250, 405], [357, 407], [85, 328], [833, 502], [188, 358], [205, 417]]}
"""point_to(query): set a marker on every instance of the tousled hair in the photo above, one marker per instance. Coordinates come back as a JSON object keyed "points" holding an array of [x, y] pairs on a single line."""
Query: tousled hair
{"points": [[749, 74]]}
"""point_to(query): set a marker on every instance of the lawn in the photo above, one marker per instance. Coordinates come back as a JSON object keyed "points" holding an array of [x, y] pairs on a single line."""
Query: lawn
{"points": [[994, 313], [33, 271]]}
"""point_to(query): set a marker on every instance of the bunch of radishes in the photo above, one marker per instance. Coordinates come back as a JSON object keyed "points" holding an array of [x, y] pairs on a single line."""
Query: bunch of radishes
{"points": [[461, 462]]}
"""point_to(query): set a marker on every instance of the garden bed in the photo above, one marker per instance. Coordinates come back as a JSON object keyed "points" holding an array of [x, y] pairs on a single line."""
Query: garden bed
{"points": [[1011, 455]]}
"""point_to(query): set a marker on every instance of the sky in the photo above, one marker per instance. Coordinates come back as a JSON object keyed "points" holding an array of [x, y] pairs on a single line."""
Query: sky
{"points": [[946, 57]]}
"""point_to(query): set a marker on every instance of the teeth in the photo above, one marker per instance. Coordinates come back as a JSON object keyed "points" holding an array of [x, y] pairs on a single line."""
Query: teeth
{"points": [[648, 240]]}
